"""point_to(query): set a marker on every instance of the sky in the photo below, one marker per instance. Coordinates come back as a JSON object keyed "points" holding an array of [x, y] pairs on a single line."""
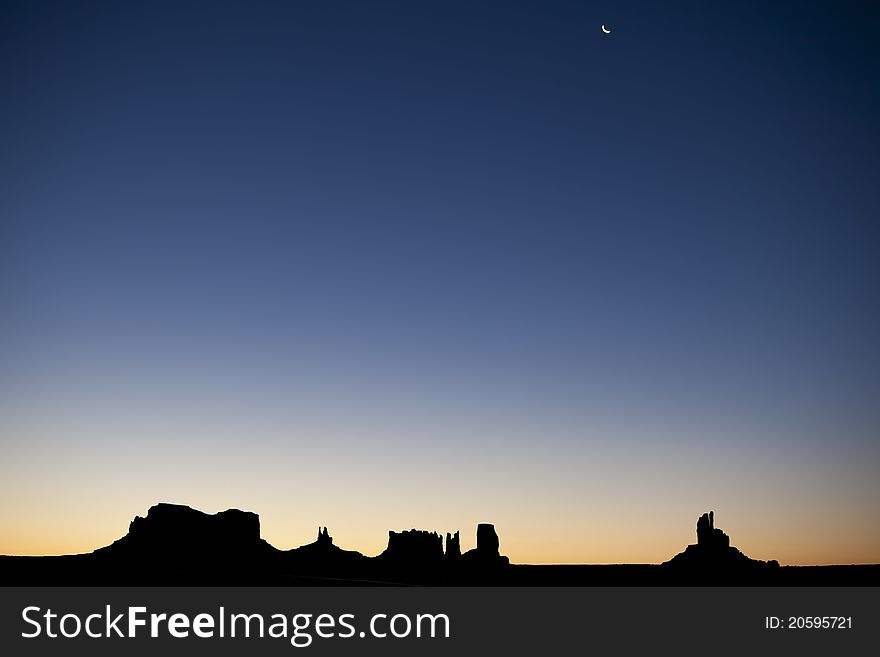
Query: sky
{"points": [[394, 264]]}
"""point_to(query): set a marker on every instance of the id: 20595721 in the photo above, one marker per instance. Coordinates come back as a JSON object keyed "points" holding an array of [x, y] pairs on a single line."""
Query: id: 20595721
{"points": [[808, 622]]}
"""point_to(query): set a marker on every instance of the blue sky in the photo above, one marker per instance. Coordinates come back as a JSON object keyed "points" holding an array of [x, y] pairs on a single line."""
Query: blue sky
{"points": [[478, 234]]}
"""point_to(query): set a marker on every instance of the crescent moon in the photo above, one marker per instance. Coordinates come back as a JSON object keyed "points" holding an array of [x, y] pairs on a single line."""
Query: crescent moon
{"points": [[605, 30]]}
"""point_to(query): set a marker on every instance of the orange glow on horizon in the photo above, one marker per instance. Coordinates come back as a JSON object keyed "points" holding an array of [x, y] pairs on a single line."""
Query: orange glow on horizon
{"points": [[580, 545]]}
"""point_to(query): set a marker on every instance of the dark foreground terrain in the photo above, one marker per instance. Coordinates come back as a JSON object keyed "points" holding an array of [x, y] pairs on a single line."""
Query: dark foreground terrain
{"points": [[177, 545]]}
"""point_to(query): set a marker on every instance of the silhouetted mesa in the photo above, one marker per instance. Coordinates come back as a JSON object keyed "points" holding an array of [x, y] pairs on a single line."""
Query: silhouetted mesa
{"points": [[413, 548], [713, 557], [175, 531]]}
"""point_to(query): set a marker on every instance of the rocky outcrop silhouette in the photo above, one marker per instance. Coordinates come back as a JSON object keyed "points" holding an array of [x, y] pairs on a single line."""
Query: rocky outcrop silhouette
{"points": [[713, 557], [708, 535], [414, 547], [321, 557], [487, 540], [453, 546], [486, 554]]}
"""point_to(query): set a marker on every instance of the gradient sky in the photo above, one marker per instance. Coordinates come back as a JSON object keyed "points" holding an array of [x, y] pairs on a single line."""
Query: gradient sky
{"points": [[382, 265]]}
